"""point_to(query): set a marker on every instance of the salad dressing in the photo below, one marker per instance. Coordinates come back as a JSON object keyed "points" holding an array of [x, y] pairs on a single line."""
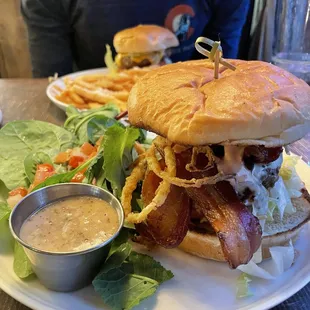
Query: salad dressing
{"points": [[70, 225]]}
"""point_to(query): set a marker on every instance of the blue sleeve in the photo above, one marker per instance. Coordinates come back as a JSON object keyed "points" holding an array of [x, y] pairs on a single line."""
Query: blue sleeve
{"points": [[226, 24], [49, 37]]}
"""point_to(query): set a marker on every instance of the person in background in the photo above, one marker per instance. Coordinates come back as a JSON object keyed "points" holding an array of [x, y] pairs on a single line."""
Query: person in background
{"points": [[69, 35]]}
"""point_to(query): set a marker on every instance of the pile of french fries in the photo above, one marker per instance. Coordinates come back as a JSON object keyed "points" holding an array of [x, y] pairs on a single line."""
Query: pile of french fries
{"points": [[94, 90]]}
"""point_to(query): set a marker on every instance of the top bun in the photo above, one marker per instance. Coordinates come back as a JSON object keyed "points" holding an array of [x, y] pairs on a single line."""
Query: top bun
{"points": [[257, 104], [144, 39]]}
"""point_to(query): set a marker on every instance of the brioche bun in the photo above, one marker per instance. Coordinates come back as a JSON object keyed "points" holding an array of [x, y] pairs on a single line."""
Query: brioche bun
{"points": [[277, 233], [144, 39], [257, 104]]}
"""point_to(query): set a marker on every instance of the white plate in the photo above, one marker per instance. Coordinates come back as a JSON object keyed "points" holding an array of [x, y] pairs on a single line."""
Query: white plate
{"points": [[198, 284], [52, 92]]}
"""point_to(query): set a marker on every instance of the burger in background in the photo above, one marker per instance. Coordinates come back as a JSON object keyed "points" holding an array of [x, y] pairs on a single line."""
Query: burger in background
{"points": [[143, 46]]}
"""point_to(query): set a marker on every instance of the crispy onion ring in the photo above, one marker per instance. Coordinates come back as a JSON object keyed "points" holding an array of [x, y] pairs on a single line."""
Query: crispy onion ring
{"points": [[136, 175], [154, 165], [198, 150], [161, 192]]}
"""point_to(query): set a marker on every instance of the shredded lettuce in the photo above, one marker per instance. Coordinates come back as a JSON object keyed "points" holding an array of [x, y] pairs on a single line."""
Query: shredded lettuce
{"points": [[108, 59], [243, 289], [288, 166], [281, 198], [282, 258], [272, 204], [292, 181]]}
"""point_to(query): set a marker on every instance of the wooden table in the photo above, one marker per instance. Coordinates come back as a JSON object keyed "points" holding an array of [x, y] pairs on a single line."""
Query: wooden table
{"points": [[26, 99]]}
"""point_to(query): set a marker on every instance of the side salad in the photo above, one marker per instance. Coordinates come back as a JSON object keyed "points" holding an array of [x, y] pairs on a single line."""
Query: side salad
{"points": [[94, 148]]}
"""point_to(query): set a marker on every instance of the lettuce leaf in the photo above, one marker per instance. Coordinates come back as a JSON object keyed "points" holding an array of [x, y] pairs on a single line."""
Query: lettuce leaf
{"points": [[21, 265], [20, 138], [77, 122], [5, 211], [128, 277], [108, 59], [97, 126], [4, 192], [118, 143], [243, 289], [292, 181], [281, 198]]}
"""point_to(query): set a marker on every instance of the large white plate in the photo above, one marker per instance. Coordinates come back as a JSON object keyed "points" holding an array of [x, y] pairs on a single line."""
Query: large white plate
{"points": [[52, 92], [198, 284]]}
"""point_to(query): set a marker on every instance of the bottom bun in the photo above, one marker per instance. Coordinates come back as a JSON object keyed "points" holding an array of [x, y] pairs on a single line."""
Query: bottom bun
{"points": [[276, 233]]}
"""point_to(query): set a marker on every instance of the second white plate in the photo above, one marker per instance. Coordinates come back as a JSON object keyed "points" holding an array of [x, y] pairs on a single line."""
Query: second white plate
{"points": [[52, 91]]}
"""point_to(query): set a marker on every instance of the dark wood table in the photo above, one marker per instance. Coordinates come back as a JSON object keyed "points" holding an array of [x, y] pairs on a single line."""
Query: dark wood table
{"points": [[26, 99]]}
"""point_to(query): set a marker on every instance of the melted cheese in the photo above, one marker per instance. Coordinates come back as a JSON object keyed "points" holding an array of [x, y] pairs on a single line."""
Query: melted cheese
{"points": [[153, 57]]}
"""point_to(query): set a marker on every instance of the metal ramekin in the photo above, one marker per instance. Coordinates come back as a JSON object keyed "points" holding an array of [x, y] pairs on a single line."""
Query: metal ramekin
{"points": [[65, 271]]}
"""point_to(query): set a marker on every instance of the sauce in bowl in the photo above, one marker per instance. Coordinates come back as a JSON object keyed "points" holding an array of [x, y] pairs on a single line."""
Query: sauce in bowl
{"points": [[70, 225]]}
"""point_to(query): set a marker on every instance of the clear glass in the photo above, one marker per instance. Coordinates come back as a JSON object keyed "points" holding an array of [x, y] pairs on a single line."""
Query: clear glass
{"points": [[292, 37]]}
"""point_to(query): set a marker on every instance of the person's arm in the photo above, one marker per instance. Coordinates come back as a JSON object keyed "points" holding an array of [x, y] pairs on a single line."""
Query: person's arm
{"points": [[49, 37], [228, 18]]}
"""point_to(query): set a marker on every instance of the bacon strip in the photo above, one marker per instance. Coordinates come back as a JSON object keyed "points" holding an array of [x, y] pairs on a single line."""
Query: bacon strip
{"points": [[261, 155], [237, 228], [168, 224]]}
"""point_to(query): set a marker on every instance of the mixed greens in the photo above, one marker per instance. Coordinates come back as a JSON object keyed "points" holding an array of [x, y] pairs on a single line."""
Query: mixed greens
{"points": [[92, 148]]}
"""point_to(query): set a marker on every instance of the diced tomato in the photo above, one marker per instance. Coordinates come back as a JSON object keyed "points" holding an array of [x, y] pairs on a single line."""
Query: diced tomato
{"points": [[75, 161], [87, 148], [78, 178], [43, 172], [62, 158], [18, 191], [45, 168]]}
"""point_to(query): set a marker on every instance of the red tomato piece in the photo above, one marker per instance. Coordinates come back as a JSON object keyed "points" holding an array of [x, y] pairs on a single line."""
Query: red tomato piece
{"points": [[18, 191], [78, 178], [75, 161], [43, 172]]}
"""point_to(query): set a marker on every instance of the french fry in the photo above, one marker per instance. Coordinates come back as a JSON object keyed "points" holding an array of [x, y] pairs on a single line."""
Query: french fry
{"points": [[84, 84], [75, 97], [121, 95]]}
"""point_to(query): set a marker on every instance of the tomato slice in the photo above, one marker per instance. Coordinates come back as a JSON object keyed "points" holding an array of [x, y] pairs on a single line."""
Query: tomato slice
{"points": [[87, 148], [75, 161], [78, 178], [18, 191]]}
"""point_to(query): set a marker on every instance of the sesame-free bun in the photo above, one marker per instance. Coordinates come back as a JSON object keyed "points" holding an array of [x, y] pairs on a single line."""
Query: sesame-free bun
{"points": [[144, 39], [257, 104], [277, 233]]}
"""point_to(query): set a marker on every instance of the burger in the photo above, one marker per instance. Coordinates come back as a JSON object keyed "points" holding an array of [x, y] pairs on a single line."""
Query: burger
{"points": [[143, 45], [216, 181]]}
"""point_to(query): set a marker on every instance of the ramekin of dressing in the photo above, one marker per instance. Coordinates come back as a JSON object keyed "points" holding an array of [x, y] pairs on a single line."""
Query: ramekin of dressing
{"points": [[66, 231]]}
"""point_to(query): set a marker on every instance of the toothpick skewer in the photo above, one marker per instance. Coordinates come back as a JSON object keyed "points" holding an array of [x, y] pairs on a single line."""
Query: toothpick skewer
{"points": [[215, 55], [216, 64]]}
